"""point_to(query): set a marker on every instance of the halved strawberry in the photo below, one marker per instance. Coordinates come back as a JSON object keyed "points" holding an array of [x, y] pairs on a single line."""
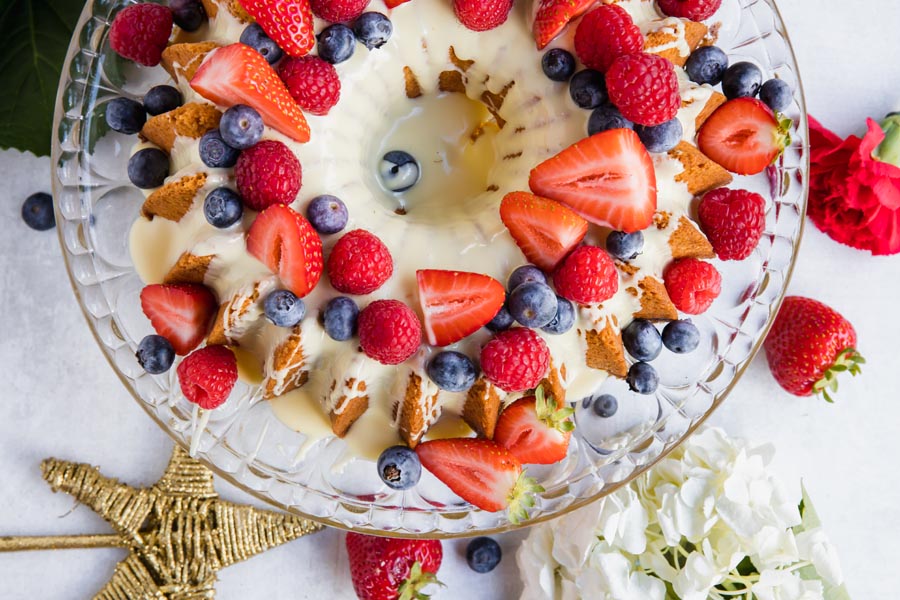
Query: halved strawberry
{"points": [[238, 74], [457, 303], [545, 230], [394, 3], [744, 136], [288, 22], [481, 472], [535, 429], [181, 313], [284, 241], [553, 16], [607, 178]]}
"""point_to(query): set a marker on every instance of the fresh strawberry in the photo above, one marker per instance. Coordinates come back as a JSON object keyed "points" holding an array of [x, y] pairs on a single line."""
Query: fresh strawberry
{"points": [[456, 304], [605, 34], [695, 10], [359, 263], [338, 11], [312, 82], [481, 472], [587, 276], [140, 33], [607, 178], [268, 173], [644, 87], [482, 15], [808, 345], [384, 568], [553, 16], [545, 230], [207, 376], [288, 22], [284, 241], [515, 360], [389, 331], [535, 429], [692, 285], [394, 3], [744, 136], [733, 220], [181, 313], [238, 74]]}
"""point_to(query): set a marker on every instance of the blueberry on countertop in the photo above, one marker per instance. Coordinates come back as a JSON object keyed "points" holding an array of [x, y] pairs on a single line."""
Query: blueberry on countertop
{"points": [[37, 211], [399, 467], [483, 554], [451, 371]]}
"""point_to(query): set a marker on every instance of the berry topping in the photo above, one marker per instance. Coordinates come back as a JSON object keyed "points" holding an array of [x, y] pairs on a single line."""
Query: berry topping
{"points": [[588, 89], [482, 15], [733, 220], [399, 467], [483, 554], [161, 99], [741, 80], [238, 74], [452, 371], [399, 171], [558, 64], [644, 87], [456, 304], [359, 263], [604, 406], [642, 378], [215, 153], [148, 168], [533, 304], [501, 321], [605, 34], [692, 285], [607, 178], [37, 211], [155, 354], [125, 115], [284, 309], [373, 30], [207, 376], [625, 246], [776, 94], [222, 208], [587, 276], [338, 11], [545, 231], [181, 313], [525, 274], [606, 117], [327, 214], [241, 127], [336, 43], [339, 318], [552, 17], [535, 429], [140, 33], [312, 82], [642, 340], [695, 10], [681, 337], [288, 22], [660, 138], [268, 174], [392, 569], [744, 136], [256, 38], [394, 3], [515, 360], [706, 64], [564, 319], [389, 331], [287, 244], [188, 14]]}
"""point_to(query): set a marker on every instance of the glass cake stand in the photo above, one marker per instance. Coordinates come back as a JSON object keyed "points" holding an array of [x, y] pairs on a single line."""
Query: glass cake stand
{"points": [[245, 443]]}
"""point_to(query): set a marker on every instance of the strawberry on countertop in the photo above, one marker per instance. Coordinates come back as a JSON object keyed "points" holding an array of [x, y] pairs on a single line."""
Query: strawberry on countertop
{"points": [[545, 230], [181, 313], [456, 304], [535, 429], [744, 136], [384, 568], [553, 16], [288, 22], [284, 241]]}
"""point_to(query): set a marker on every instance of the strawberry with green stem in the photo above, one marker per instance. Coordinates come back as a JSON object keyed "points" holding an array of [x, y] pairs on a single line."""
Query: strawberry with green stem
{"points": [[535, 429]]}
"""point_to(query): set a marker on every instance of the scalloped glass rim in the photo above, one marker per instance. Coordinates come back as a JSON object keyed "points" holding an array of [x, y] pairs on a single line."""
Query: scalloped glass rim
{"points": [[77, 186]]}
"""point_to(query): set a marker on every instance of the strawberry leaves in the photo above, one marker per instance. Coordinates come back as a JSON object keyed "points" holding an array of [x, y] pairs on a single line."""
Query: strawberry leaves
{"points": [[848, 361]]}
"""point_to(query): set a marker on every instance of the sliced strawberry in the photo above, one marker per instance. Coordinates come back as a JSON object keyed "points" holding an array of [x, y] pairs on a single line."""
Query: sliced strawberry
{"points": [[238, 74], [288, 22], [607, 178], [456, 303], [181, 313], [535, 430], [481, 472], [394, 3], [284, 241], [744, 136], [545, 230], [553, 16]]}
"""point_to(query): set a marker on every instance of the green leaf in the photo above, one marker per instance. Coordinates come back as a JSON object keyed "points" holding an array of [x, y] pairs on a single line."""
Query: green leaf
{"points": [[33, 46], [809, 520]]}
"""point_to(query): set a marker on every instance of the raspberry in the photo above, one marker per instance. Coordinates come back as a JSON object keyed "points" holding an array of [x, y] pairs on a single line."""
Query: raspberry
{"points": [[605, 34], [338, 11], [140, 33], [733, 220], [312, 82], [692, 285], [515, 360], [695, 10], [644, 87], [389, 331], [268, 173], [207, 376], [481, 15], [587, 276], [359, 263]]}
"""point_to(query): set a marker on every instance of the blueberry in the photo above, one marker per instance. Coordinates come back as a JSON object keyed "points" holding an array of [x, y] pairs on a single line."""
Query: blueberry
{"points": [[327, 214], [777, 94], [741, 80], [339, 318], [125, 115], [501, 321], [642, 340], [483, 554], [187, 14], [706, 64], [215, 153], [662, 137], [161, 99], [605, 406], [256, 38], [606, 117], [525, 274], [399, 467], [241, 126], [399, 171], [642, 378], [37, 211], [148, 168], [588, 89], [533, 304], [336, 43], [155, 354], [681, 337], [223, 208], [283, 308], [625, 246], [558, 64], [564, 319], [451, 371], [373, 29]]}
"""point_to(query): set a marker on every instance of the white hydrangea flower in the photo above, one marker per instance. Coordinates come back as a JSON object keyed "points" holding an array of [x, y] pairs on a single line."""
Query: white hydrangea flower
{"points": [[815, 546], [774, 547], [698, 576], [785, 585], [537, 568]]}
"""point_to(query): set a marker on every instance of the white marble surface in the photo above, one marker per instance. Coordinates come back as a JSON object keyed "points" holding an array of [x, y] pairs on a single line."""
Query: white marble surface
{"points": [[60, 398]]}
